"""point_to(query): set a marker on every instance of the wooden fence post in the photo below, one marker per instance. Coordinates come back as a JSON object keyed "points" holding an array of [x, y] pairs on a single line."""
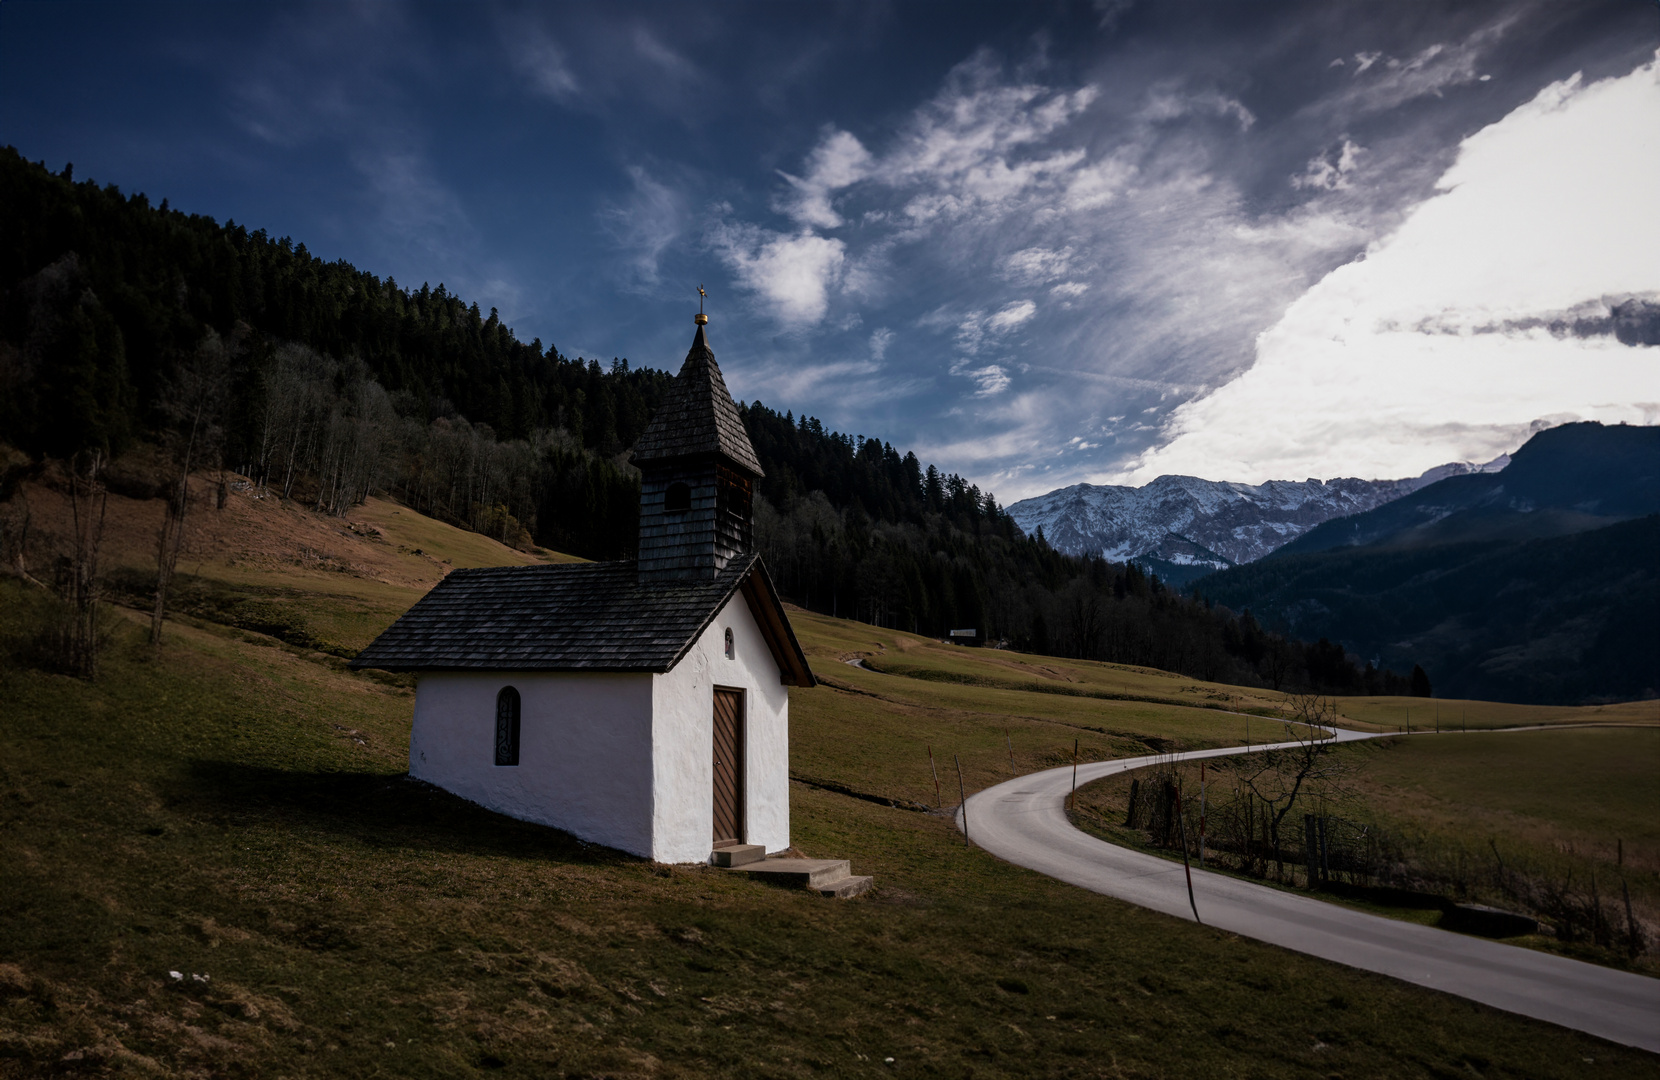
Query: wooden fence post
{"points": [[1310, 849], [936, 773]]}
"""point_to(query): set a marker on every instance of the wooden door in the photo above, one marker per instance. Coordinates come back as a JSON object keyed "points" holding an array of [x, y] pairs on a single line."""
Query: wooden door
{"points": [[729, 767]]}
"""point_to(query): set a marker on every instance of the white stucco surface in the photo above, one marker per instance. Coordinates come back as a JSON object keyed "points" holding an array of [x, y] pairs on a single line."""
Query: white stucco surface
{"points": [[683, 740], [585, 757], [623, 760]]}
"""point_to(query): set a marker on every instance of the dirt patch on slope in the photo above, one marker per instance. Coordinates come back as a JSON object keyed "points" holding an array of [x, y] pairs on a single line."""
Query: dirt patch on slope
{"points": [[264, 535]]}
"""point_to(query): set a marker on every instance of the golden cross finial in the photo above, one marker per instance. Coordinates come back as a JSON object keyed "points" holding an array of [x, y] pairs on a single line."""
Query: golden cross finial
{"points": [[701, 317]]}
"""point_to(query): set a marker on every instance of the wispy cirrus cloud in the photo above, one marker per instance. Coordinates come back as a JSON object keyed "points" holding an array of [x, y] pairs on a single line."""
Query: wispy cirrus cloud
{"points": [[1167, 103], [1381, 82], [540, 58], [646, 223], [599, 61], [1038, 265]]}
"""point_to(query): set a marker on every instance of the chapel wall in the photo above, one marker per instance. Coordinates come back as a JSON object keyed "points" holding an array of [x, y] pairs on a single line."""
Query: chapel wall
{"points": [[683, 740], [585, 750]]}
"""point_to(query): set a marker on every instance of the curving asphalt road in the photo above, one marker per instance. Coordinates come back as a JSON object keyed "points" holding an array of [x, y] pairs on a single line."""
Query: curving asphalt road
{"points": [[1024, 821]]}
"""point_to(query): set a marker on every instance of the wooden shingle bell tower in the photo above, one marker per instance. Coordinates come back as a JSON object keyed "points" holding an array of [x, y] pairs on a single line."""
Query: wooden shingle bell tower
{"points": [[698, 473]]}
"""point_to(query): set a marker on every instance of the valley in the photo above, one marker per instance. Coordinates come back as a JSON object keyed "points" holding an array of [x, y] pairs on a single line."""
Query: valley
{"points": [[233, 810]]}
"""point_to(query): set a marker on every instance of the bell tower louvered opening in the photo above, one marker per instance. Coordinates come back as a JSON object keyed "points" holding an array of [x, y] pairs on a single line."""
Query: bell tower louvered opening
{"points": [[698, 473]]}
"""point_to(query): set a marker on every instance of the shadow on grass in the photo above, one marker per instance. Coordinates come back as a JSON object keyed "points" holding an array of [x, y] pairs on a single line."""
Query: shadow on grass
{"points": [[389, 810]]}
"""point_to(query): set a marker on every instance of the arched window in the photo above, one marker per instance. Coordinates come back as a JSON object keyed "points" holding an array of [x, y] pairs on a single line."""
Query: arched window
{"points": [[677, 499], [507, 726], [731, 650]]}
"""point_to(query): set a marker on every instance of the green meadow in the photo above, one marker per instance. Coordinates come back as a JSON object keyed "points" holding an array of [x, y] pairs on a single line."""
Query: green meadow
{"points": [[1570, 811], [235, 809]]}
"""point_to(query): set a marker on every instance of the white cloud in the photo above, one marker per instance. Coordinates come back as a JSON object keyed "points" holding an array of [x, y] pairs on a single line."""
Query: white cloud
{"points": [[1068, 290], [838, 161], [955, 156], [976, 327], [991, 379], [1542, 210], [880, 339], [970, 332], [959, 148], [792, 274], [1099, 183], [1331, 171], [1167, 103], [1011, 316], [1038, 266]]}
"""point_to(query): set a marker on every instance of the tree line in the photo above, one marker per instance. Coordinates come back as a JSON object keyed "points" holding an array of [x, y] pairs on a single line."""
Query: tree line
{"points": [[123, 323]]}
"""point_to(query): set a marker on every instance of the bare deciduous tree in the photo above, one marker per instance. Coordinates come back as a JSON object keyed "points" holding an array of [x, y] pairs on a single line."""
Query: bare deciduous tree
{"points": [[16, 518], [79, 636], [1304, 768], [191, 400]]}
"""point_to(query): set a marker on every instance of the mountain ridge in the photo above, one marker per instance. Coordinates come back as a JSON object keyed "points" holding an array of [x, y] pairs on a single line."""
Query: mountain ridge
{"points": [[1537, 583], [1184, 526], [1567, 479]]}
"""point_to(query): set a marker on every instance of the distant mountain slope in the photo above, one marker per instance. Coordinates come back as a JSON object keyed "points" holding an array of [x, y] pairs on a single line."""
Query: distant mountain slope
{"points": [[1565, 480], [1182, 527], [1563, 620], [1537, 584]]}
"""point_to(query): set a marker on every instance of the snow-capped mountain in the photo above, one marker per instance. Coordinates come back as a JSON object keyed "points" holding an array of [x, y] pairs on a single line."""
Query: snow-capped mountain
{"points": [[1182, 526]]}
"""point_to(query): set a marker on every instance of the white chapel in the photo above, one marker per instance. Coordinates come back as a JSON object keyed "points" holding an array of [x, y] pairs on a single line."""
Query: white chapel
{"points": [[641, 704]]}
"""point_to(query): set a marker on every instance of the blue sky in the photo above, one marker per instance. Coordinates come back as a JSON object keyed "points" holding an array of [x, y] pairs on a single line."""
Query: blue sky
{"points": [[1038, 243]]}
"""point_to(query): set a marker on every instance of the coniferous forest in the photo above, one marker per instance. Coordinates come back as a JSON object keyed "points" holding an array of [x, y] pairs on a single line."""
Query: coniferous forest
{"points": [[143, 334]]}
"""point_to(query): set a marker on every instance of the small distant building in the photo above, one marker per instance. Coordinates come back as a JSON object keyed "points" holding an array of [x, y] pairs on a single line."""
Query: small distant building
{"points": [[643, 704]]}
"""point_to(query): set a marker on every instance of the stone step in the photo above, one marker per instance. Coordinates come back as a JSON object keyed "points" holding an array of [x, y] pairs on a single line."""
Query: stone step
{"points": [[798, 873], [738, 855], [849, 886]]}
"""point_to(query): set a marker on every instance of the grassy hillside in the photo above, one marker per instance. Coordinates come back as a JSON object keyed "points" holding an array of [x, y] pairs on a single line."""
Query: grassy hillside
{"points": [[235, 809]]}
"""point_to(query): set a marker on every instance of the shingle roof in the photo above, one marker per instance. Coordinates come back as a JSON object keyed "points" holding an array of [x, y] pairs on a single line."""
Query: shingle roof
{"points": [[575, 617], [697, 416]]}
